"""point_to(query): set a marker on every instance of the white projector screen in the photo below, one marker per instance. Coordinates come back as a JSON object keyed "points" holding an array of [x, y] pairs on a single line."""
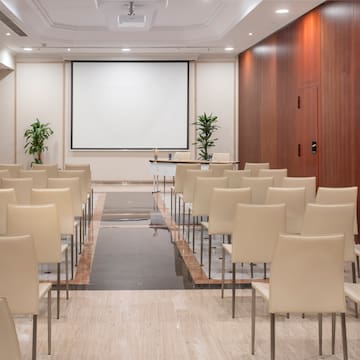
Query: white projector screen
{"points": [[130, 105]]}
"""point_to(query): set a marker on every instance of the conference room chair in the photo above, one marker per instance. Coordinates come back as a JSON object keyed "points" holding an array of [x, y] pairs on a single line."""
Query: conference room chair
{"points": [[74, 185], [7, 196], [256, 230], [19, 282], [187, 195], [222, 208], [39, 177], [202, 195], [217, 156], [22, 187], [12, 168], [235, 177], [255, 167], [4, 174], [352, 291], [306, 277], [51, 169], [41, 221], [180, 174], [259, 187], [9, 343], [218, 169], [64, 208], [182, 156], [89, 189], [309, 183], [277, 175], [294, 199]]}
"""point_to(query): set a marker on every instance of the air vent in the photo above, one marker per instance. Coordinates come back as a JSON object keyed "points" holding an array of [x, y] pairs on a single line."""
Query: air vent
{"points": [[137, 21], [11, 25]]}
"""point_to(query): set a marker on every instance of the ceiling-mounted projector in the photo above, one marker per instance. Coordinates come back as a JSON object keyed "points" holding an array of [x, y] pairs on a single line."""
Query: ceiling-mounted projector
{"points": [[131, 21]]}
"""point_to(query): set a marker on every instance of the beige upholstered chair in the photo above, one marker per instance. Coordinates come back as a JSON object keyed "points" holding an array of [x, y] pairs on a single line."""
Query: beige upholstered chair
{"points": [[221, 214], [4, 174], [220, 157], [341, 195], [255, 167], [12, 168], [256, 230], [218, 169], [41, 221], [182, 155], [259, 187], [294, 199], [39, 177], [352, 291], [22, 187], [202, 195], [235, 177], [277, 174], [64, 207], [19, 281], [310, 282], [309, 183], [51, 169], [9, 344], [180, 175], [7, 196]]}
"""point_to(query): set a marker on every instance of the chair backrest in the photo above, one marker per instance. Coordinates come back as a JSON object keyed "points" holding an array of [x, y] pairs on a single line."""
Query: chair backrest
{"points": [[19, 281], [4, 174], [39, 177], [22, 187], [189, 183], [64, 206], [220, 157], [222, 208], [81, 175], [51, 169], [12, 168], [9, 343], [182, 155], [340, 195], [86, 168], [309, 183], [180, 175], [256, 231], [202, 193], [277, 175], [307, 275], [235, 177], [255, 167], [218, 169], [259, 187], [294, 199], [331, 219], [7, 196], [41, 221], [74, 185]]}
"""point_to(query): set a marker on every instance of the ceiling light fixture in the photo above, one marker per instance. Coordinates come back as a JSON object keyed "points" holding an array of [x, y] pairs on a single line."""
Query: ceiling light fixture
{"points": [[68, 49], [8, 34], [282, 11], [229, 48], [27, 49], [251, 34], [125, 50]]}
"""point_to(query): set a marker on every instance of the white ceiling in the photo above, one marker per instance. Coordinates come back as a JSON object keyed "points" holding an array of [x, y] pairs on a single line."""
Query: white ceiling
{"points": [[166, 27]]}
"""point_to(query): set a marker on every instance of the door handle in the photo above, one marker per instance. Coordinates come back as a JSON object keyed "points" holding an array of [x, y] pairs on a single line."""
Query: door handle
{"points": [[299, 150], [314, 147]]}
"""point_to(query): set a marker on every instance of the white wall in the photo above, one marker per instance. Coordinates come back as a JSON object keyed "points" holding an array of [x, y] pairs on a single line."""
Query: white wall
{"points": [[42, 90], [6, 58]]}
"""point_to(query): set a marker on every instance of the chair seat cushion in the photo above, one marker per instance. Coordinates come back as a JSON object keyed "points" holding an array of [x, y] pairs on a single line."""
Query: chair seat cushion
{"points": [[262, 288], [352, 291], [44, 287]]}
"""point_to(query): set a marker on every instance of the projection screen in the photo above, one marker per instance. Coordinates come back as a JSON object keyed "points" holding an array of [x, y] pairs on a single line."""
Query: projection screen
{"points": [[132, 105]]}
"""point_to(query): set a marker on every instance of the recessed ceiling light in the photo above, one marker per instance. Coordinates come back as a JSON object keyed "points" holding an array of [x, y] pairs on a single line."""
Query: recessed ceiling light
{"points": [[229, 48], [251, 34], [27, 49], [8, 34], [68, 49], [125, 50], [282, 11]]}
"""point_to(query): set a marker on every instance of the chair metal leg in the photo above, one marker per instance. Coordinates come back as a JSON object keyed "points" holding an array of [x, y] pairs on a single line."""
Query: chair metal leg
{"points": [[175, 206], [201, 245], [251, 270], [264, 270], [210, 256], [188, 227], [272, 336], [233, 288], [344, 337], [81, 234], [34, 338], [58, 291], [222, 272], [358, 265], [76, 244], [67, 273], [320, 333], [183, 224], [171, 201], [253, 310], [333, 330], [179, 215], [193, 236], [353, 272], [49, 322], [72, 255]]}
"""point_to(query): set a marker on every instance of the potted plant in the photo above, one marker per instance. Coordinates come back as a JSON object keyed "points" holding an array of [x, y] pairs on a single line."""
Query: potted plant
{"points": [[206, 125], [35, 138]]}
